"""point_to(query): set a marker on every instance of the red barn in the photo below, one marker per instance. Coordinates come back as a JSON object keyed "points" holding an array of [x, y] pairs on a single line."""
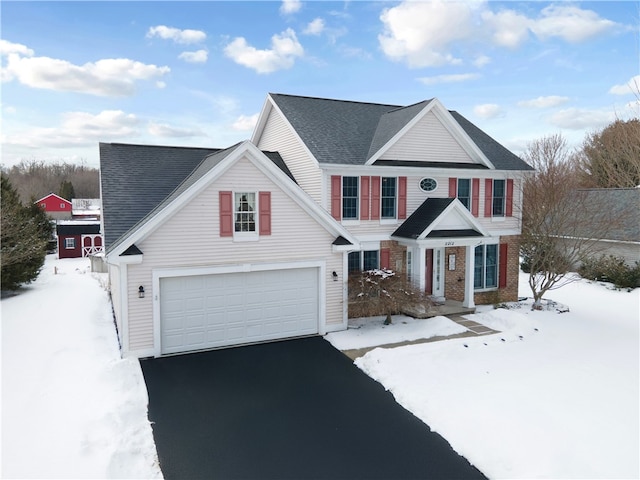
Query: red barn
{"points": [[78, 239], [55, 206]]}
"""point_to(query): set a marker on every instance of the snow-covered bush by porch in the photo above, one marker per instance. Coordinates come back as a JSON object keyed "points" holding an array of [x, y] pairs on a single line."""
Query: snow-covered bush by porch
{"points": [[382, 292]]}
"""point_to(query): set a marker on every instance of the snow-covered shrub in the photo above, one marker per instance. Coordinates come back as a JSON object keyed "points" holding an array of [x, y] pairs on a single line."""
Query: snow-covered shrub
{"points": [[611, 269], [382, 292]]}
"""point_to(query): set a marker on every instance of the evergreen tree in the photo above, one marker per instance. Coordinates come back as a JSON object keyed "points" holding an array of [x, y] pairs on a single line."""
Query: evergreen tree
{"points": [[66, 190], [23, 239]]}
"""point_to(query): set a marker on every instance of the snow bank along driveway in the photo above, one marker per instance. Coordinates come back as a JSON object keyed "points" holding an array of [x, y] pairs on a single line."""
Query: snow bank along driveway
{"points": [[71, 407], [551, 396]]}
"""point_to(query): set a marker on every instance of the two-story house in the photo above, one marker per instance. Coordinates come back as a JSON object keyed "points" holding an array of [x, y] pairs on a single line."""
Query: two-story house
{"points": [[209, 248]]}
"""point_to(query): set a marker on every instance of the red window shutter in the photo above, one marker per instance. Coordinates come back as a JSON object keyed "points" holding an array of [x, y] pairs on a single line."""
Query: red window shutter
{"points": [[264, 207], [502, 273], [475, 196], [336, 196], [226, 214], [385, 258], [364, 197], [375, 198], [453, 187], [509, 199], [488, 197], [402, 197]]}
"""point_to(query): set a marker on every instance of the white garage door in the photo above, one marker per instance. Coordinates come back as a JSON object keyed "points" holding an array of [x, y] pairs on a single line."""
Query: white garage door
{"points": [[207, 311]]}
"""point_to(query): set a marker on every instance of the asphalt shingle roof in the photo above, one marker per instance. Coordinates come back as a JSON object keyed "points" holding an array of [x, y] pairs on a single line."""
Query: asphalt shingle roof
{"points": [[348, 132], [139, 180], [422, 217]]}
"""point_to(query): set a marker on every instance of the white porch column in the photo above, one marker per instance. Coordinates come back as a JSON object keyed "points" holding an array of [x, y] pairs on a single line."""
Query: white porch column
{"points": [[420, 267], [468, 277]]}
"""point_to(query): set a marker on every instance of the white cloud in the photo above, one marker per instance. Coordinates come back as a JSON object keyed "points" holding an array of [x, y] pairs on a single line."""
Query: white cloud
{"points": [[570, 23], [426, 33], [160, 84], [114, 77], [290, 6], [244, 122], [284, 50], [199, 56], [458, 77], [543, 102], [481, 61], [580, 118], [9, 109], [79, 129], [488, 111], [179, 36], [7, 47], [632, 87], [508, 28], [421, 33], [164, 130], [315, 27]]}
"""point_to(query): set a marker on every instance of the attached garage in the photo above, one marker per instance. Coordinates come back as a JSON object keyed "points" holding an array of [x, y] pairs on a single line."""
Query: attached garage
{"points": [[203, 311]]}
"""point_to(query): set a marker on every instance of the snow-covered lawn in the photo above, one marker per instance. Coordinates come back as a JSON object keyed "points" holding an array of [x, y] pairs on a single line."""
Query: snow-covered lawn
{"points": [[371, 331], [71, 407], [554, 395]]}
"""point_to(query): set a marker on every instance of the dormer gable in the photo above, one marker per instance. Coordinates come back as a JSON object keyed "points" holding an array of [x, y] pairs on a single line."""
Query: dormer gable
{"points": [[424, 132]]}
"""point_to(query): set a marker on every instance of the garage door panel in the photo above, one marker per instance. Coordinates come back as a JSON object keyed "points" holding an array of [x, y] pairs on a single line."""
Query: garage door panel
{"points": [[208, 311]]}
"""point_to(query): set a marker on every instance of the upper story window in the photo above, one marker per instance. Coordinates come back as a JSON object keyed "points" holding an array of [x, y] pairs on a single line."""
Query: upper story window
{"points": [[388, 206], [62, 205], [464, 192], [498, 205], [244, 207], [428, 184], [350, 198], [245, 215]]}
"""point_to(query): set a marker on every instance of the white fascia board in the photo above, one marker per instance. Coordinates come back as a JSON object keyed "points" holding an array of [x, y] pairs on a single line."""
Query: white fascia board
{"points": [[169, 210], [274, 106], [297, 194], [262, 120], [461, 209], [401, 133], [449, 123], [266, 166]]}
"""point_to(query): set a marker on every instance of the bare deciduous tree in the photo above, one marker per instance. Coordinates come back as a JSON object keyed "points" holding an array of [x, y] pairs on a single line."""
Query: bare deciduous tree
{"points": [[610, 158], [34, 179], [561, 224]]}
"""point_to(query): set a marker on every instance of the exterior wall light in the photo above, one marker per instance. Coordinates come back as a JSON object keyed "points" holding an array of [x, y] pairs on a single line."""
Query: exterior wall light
{"points": [[335, 276], [140, 291]]}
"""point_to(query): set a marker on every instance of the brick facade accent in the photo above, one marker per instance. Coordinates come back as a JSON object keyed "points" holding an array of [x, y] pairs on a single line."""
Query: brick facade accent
{"points": [[454, 279], [510, 292], [398, 255]]}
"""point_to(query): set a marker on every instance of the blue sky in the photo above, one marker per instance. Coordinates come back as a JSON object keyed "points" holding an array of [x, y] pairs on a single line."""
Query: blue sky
{"points": [[197, 73]]}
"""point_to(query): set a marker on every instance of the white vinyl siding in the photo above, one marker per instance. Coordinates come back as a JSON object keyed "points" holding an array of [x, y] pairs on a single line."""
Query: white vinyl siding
{"points": [[428, 141], [191, 238], [278, 136], [114, 285]]}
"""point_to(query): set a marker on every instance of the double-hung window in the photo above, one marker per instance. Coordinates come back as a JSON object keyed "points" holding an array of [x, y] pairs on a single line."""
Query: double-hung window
{"points": [[363, 261], [350, 198], [464, 192], [244, 208], [388, 205], [498, 207], [485, 273], [70, 243]]}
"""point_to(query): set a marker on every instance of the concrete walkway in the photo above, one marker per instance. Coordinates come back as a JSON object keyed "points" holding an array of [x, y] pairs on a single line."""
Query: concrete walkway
{"points": [[474, 329]]}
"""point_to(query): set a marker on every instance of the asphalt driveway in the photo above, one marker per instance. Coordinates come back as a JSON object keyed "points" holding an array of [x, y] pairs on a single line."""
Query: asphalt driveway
{"points": [[294, 409]]}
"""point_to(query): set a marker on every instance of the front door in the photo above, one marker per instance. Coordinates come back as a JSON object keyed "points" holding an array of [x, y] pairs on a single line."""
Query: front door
{"points": [[434, 272]]}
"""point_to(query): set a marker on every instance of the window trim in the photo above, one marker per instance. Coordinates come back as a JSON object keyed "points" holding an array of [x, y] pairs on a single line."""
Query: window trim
{"points": [[483, 287], [435, 182], [361, 260], [494, 198], [356, 198], [248, 234], [383, 197], [69, 243]]}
